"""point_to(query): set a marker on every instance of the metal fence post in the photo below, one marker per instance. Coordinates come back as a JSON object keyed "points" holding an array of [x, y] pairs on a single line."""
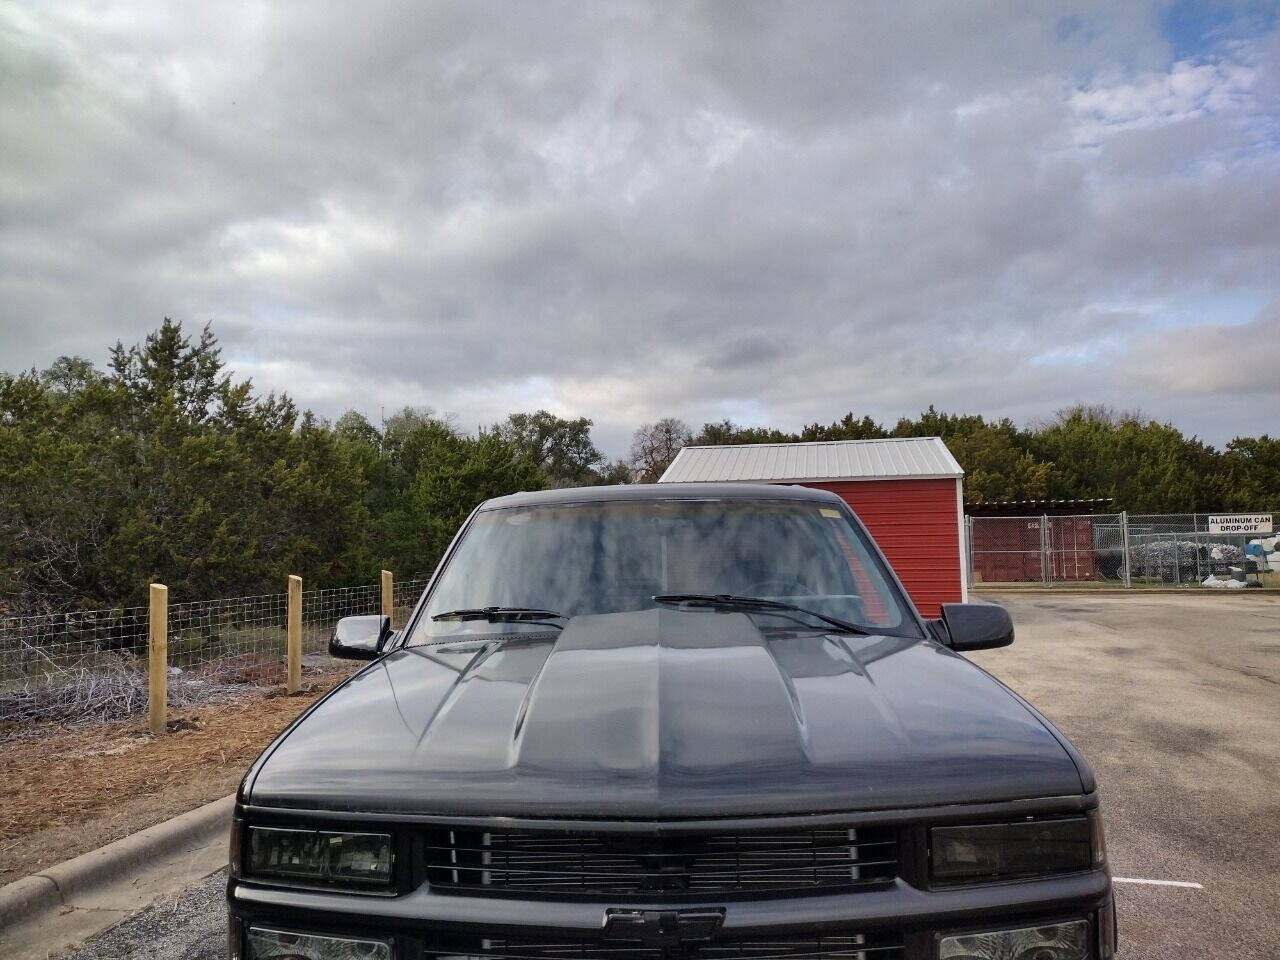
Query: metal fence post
{"points": [[294, 640], [388, 600], [158, 658], [968, 548], [1044, 549], [1124, 540]]}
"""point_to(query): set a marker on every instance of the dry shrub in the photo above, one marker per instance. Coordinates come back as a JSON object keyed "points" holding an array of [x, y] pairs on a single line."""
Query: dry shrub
{"points": [[246, 668]]}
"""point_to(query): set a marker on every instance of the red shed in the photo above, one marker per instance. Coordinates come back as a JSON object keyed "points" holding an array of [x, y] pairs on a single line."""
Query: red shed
{"points": [[908, 491]]}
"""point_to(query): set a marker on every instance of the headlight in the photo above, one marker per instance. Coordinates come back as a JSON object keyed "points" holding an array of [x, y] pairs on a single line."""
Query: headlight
{"points": [[1059, 941], [267, 944], [1001, 851], [317, 856]]}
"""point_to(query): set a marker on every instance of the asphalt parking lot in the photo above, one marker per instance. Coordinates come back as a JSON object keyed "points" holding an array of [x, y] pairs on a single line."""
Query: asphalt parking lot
{"points": [[1175, 700]]}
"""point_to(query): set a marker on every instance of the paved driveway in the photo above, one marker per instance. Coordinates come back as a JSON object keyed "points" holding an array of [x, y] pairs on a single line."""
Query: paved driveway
{"points": [[1175, 701]]}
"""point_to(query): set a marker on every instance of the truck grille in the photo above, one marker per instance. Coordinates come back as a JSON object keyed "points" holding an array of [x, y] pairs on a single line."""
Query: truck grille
{"points": [[842, 946], [618, 864]]}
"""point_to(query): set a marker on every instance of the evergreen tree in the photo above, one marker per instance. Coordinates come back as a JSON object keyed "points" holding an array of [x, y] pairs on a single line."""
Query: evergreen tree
{"points": [[165, 467]]}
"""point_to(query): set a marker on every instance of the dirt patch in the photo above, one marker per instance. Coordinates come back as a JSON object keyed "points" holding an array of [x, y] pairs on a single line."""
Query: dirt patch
{"points": [[74, 790]]}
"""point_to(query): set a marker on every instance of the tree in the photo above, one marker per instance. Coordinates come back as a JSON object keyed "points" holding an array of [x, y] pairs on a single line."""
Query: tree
{"points": [[354, 427], [728, 432], [847, 427], [61, 482], [1251, 473], [613, 473], [993, 454], [166, 469], [453, 474], [1144, 466], [655, 445], [68, 375], [561, 449], [168, 367]]}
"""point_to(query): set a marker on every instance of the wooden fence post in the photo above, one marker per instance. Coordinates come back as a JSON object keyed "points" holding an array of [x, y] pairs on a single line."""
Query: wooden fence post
{"points": [[158, 658], [294, 645], [388, 598]]}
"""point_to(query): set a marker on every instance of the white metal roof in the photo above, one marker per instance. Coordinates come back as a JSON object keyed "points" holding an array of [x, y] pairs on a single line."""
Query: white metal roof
{"points": [[916, 458]]}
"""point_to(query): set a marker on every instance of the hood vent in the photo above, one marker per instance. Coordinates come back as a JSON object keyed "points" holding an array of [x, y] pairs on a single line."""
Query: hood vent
{"points": [[579, 864]]}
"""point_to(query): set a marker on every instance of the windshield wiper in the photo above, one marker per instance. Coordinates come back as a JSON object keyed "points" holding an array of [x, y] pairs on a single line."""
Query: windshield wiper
{"points": [[503, 615], [756, 603]]}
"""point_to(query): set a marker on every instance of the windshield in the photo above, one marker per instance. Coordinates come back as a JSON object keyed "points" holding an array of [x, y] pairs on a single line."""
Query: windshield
{"points": [[616, 556]]}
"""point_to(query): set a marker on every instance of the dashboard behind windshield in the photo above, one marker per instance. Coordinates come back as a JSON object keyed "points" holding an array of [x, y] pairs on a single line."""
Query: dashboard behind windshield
{"points": [[615, 556]]}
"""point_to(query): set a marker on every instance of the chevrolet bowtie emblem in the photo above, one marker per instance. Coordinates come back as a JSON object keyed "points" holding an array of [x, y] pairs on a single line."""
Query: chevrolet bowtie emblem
{"points": [[662, 927]]}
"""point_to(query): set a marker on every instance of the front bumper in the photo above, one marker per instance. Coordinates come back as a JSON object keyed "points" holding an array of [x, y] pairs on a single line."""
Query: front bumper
{"points": [[421, 922], [425, 923]]}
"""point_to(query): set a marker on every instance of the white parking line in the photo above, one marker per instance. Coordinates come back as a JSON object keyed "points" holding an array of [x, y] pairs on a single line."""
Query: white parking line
{"points": [[1160, 883]]}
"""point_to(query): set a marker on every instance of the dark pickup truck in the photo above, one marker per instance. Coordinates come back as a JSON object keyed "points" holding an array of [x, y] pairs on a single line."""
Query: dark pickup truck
{"points": [[670, 722]]}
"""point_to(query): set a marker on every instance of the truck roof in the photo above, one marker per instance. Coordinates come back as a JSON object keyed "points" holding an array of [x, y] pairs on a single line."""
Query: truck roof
{"points": [[662, 491]]}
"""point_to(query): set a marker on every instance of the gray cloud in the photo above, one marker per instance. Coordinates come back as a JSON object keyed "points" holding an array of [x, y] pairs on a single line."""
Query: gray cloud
{"points": [[759, 211], [1212, 359]]}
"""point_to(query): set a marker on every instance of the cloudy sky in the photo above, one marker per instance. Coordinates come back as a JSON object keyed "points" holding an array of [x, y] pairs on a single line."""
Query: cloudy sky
{"points": [[764, 211]]}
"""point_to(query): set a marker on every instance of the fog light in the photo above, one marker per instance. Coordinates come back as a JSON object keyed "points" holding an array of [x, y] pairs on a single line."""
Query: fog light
{"points": [[1058, 941], [1107, 940], [267, 944]]}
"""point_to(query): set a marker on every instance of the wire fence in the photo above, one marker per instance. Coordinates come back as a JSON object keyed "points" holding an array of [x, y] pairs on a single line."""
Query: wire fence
{"points": [[1123, 549], [91, 666]]}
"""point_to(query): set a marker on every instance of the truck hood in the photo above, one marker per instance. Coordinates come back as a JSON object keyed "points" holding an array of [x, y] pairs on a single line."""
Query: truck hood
{"points": [[665, 713]]}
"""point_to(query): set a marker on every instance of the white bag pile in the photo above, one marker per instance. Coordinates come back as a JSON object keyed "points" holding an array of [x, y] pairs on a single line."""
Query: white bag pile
{"points": [[1212, 581]]}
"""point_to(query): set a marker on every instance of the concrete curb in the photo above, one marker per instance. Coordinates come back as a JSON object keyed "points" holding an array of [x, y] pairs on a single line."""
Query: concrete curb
{"points": [[26, 897], [23, 899]]}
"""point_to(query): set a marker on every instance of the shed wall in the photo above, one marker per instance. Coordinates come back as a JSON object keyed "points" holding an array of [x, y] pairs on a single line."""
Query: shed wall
{"points": [[916, 524]]}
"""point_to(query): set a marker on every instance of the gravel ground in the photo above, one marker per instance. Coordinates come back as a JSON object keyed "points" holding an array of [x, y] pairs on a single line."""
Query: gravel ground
{"points": [[1175, 701], [191, 925]]}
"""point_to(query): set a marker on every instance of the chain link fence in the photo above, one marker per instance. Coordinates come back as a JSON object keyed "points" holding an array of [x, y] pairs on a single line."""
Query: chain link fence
{"points": [[91, 666], [1121, 549]]}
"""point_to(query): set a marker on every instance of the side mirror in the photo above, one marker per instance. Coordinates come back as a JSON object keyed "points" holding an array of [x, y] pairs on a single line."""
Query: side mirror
{"points": [[973, 626], [359, 638]]}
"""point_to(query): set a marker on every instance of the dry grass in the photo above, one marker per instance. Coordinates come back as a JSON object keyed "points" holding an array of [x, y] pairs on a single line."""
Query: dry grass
{"points": [[54, 788]]}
